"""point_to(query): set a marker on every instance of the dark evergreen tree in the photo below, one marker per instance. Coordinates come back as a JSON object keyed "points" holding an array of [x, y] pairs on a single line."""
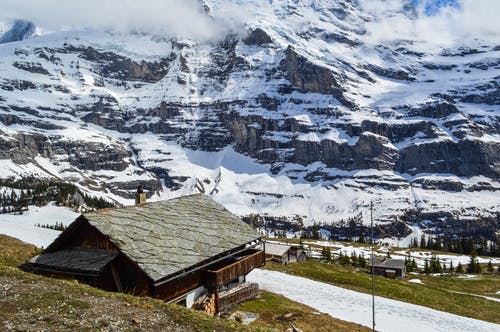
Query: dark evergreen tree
{"points": [[473, 266], [423, 243], [437, 243], [361, 235], [413, 265], [477, 267], [354, 259], [326, 254], [426, 267], [435, 265], [415, 242], [490, 268], [362, 261], [344, 259]]}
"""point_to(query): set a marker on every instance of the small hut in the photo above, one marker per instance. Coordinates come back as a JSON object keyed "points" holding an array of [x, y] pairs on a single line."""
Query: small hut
{"points": [[283, 253], [388, 267], [189, 250]]}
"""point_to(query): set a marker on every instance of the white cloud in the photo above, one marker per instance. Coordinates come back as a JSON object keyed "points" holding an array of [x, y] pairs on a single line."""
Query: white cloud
{"points": [[472, 19], [172, 17]]}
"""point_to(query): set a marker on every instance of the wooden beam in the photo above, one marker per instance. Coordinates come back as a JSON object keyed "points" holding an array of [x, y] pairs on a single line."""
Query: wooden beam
{"points": [[116, 277]]}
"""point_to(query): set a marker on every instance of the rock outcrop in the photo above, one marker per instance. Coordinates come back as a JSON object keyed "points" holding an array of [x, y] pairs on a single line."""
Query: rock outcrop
{"points": [[305, 76], [20, 30], [258, 37]]}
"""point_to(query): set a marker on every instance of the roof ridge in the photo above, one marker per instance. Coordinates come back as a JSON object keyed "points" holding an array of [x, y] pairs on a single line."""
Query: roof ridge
{"points": [[105, 210]]}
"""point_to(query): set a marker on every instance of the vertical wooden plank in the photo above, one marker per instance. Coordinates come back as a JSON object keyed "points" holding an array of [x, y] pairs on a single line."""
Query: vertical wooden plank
{"points": [[217, 302], [116, 277]]}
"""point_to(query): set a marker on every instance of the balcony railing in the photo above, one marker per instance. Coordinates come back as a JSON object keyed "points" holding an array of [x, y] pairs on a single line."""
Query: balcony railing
{"points": [[225, 272], [228, 300]]}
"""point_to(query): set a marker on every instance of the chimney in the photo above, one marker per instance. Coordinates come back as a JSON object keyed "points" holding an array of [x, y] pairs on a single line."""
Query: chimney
{"points": [[140, 196]]}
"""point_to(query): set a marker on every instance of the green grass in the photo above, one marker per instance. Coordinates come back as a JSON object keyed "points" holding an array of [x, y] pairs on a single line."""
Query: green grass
{"points": [[279, 312], [434, 293], [14, 252], [483, 284]]}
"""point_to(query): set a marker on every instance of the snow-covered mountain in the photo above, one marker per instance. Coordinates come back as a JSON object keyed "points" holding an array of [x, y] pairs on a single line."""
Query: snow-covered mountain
{"points": [[19, 30], [308, 114]]}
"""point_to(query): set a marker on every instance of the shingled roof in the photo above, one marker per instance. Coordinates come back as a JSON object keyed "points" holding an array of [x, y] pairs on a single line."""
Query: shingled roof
{"points": [[169, 236], [388, 263], [276, 249], [76, 260]]}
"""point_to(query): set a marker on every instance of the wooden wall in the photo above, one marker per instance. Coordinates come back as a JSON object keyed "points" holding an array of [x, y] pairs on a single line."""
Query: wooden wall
{"points": [[88, 236], [174, 288], [131, 278]]}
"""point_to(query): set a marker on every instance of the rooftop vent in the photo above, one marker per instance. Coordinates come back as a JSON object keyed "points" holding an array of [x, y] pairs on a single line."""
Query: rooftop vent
{"points": [[140, 196]]}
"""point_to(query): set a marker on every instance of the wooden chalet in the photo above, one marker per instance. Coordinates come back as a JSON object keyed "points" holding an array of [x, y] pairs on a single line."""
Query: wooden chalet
{"points": [[283, 253], [188, 250], [388, 267]]}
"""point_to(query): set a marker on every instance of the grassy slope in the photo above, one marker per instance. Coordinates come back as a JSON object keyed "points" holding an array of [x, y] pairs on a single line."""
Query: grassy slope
{"points": [[484, 284], [434, 294]]}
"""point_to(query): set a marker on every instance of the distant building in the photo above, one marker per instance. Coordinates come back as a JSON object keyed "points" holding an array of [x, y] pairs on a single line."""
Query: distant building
{"points": [[388, 267], [189, 249], [283, 254]]}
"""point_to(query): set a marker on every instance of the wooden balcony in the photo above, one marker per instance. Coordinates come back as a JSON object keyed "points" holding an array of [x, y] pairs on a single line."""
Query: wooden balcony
{"points": [[226, 271]]}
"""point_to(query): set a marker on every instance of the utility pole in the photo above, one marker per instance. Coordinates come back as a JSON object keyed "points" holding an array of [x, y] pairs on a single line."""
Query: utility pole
{"points": [[373, 269]]}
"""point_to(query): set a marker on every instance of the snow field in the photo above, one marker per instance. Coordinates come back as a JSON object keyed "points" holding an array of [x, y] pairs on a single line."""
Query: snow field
{"points": [[390, 315], [23, 226]]}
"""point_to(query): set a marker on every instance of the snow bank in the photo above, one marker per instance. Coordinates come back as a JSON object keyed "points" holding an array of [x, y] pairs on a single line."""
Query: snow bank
{"points": [[355, 307], [416, 281], [22, 226]]}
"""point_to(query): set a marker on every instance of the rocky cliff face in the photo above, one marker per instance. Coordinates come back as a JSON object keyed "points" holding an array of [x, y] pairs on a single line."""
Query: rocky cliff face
{"points": [[309, 123], [20, 30]]}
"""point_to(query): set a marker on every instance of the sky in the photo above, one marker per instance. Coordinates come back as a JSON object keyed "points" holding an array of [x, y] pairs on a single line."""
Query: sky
{"points": [[432, 7], [440, 22], [169, 17]]}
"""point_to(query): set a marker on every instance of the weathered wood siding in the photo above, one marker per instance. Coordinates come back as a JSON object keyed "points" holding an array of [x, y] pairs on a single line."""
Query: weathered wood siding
{"points": [[133, 279], [177, 287], [226, 274], [383, 271], [81, 234], [231, 300], [89, 237]]}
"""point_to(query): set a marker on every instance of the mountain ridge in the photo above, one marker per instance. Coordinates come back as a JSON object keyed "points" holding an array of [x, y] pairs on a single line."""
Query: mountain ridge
{"points": [[303, 117]]}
